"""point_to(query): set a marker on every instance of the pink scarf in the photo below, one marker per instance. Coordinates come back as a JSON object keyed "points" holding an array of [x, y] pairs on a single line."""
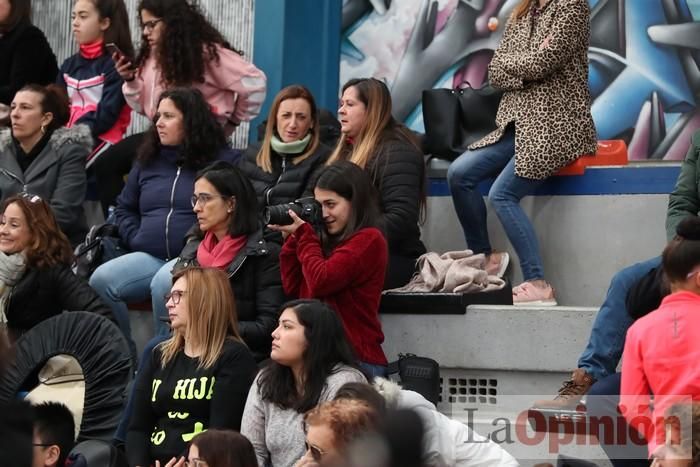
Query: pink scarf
{"points": [[91, 50], [218, 254]]}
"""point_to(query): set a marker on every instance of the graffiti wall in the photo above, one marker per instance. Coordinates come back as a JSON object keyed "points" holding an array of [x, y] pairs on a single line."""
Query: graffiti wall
{"points": [[643, 60]]}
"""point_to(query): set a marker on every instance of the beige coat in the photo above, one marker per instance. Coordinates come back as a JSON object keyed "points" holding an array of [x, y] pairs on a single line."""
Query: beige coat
{"points": [[547, 94]]}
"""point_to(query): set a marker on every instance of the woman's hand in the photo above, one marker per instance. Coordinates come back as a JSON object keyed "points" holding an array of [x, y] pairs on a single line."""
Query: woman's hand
{"points": [[174, 462], [306, 461], [287, 230], [124, 67]]}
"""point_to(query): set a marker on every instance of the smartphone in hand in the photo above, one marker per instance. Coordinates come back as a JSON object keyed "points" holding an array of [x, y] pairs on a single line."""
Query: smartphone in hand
{"points": [[113, 49]]}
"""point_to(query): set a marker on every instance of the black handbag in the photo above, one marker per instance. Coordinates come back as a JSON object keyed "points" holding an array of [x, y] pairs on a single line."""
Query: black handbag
{"points": [[455, 118], [419, 374], [101, 244]]}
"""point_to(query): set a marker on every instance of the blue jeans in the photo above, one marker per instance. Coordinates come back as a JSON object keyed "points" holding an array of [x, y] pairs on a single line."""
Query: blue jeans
{"points": [[129, 279], [609, 330], [601, 402], [463, 177]]}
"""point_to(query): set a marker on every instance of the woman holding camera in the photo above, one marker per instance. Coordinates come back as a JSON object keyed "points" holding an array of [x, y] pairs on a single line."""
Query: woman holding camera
{"points": [[281, 167], [345, 263]]}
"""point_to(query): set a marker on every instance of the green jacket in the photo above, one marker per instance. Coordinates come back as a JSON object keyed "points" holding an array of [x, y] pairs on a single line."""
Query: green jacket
{"points": [[685, 199]]}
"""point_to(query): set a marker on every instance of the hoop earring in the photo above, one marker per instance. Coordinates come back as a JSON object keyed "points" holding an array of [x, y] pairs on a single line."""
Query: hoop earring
{"points": [[43, 129]]}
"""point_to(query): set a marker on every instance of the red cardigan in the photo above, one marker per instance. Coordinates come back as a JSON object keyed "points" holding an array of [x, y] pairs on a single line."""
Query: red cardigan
{"points": [[350, 280]]}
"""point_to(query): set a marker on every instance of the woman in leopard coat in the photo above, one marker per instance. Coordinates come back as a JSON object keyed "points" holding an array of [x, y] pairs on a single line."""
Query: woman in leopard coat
{"points": [[543, 123]]}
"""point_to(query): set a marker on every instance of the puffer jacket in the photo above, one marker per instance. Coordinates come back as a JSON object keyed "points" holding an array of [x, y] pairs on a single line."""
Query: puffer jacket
{"points": [[287, 181], [154, 211], [43, 293], [57, 175], [257, 288], [398, 172]]}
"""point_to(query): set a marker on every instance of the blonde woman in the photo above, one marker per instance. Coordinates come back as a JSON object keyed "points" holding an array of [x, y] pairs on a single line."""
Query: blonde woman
{"points": [[197, 379], [388, 151]]}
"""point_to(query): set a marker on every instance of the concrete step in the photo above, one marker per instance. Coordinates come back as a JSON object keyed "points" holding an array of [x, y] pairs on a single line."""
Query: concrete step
{"points": [[494, 337]]}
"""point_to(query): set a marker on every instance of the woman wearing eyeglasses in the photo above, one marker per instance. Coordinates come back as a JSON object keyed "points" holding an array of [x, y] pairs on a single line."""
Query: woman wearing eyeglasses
{"points": [[196, 380], [218, 448], [154, 211], [229, 236], [180, 47], [38, 155], [36, 281], [311, 359]]}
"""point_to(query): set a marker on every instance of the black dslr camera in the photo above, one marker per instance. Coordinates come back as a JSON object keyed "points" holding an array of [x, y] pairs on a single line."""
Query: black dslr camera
{"points": [[308, 209]]}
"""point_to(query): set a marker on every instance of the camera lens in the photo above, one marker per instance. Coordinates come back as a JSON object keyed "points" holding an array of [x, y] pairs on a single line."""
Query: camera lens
{"points": [[279, 214]]}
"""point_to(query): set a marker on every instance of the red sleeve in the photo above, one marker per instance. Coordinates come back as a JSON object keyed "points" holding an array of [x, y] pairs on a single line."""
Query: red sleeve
{"points": [[327, 276], [635, 391], [290, 268]]}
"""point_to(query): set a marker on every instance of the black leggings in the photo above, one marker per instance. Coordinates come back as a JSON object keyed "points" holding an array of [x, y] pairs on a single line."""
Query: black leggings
{"points": [[111, 167]]}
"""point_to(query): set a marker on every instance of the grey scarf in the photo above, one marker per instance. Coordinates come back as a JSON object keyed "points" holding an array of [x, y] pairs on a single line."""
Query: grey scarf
{"points": [[11, 270]]}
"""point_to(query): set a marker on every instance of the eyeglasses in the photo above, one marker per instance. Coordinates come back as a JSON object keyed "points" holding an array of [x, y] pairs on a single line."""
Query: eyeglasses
{"points": [[196, 463], [175, 296], [204, 198], [316, 453], [150, 25], [42, 445]]}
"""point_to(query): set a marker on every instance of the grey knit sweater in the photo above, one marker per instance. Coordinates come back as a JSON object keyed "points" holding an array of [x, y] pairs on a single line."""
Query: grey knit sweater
{"points": [[277, 434]]}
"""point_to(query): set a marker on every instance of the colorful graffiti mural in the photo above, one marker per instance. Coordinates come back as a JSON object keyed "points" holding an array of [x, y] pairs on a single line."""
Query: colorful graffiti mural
{"points": [[643, 60]]}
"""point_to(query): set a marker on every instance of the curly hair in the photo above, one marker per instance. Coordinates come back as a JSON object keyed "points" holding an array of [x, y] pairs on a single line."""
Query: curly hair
{"points": [[203, 136], [189, 42], [48, 246]]}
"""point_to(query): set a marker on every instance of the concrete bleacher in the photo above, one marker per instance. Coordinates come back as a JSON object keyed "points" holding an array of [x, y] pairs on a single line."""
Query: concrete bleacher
{"points": [[495, 360]]}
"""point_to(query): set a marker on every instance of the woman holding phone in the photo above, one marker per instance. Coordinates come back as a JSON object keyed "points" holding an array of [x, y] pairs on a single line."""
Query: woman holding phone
{"points": [[89, 76], [180, 48]]}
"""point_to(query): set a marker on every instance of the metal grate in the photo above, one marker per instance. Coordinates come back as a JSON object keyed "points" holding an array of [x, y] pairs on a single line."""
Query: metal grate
{"points": [[471, 390]]}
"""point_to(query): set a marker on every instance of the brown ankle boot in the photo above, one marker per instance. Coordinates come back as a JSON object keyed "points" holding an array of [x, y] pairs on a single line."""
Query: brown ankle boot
{"points": [[570, 393]]}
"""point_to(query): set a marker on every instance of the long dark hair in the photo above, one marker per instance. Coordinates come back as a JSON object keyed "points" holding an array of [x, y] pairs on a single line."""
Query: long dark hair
{"points": [[188, 44], [327, 347], [20, 14], [203, 136], [353, 184], [682, 254], [118, 30], [229, 181]]}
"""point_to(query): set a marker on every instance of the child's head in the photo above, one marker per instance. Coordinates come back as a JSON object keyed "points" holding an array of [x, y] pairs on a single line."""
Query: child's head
{"points": [[102, 20], [348, 200], [681, 257]]}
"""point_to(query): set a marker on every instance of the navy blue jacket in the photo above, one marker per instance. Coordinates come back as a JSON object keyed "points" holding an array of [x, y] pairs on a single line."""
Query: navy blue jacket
{"points": [[154, 211]]}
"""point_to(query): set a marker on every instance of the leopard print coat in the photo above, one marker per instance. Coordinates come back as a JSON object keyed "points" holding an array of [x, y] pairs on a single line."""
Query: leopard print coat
{"points": [[547, 94]]}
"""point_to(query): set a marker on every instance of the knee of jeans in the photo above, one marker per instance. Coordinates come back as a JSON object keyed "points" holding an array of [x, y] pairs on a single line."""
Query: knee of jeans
{"points": [[99, 280], [457, 176]]}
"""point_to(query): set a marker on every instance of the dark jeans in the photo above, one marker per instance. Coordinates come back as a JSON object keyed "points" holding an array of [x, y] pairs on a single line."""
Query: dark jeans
{"points": [[607, 339], [111, 167], [601, 402]]}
